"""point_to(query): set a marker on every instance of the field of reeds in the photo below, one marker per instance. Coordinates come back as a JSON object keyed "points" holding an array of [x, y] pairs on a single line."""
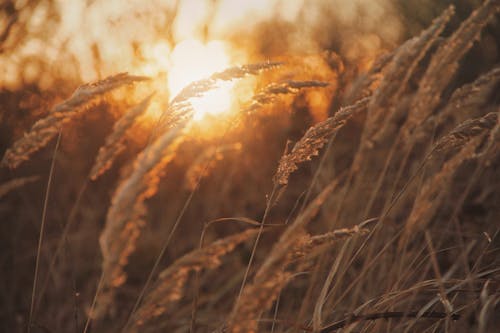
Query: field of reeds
{"points": [[344, 194]]}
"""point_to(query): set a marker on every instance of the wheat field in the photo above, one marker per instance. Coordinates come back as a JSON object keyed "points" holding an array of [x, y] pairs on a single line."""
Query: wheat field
{"points": [[304, 173]]}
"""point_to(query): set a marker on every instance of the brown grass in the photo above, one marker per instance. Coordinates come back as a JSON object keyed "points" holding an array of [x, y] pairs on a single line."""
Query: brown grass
{"points": [[170, 283], [126, 214], [46, 129], [114, 142], [405, 200], [14, 184]]}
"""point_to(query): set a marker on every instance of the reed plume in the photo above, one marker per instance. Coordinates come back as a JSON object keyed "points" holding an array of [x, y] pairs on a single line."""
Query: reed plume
{"points": [[114, 142], [180, 107], [444, 64], [366, 83], [414, 144], [314, 139], [125, 216], [382, 116], [45, 129], [14, 184], [384, 110], [206, 162], [467, 137], [492, 149], [271, 92], [268, 95], [169, 285], [465, 131], [467, 100], [396, 112], [272, 275], [316, 243]]}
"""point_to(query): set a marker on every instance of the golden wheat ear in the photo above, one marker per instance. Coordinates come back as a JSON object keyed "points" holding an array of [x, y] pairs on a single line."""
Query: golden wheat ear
{"points": [[45, 129]]}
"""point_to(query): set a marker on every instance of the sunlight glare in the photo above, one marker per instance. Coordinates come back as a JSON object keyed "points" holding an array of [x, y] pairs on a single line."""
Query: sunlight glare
{"points": [[191, 61]]}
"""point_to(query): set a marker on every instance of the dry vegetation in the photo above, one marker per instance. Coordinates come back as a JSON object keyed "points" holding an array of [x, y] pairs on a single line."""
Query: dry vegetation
{"points": [[381, 215]]}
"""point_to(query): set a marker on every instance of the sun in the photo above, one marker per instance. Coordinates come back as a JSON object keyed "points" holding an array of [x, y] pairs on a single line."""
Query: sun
{"points": [[192, 60]]}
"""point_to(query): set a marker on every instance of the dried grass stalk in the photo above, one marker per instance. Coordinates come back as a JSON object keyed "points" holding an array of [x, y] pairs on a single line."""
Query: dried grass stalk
{"points": [[271, 92], [206, 162], [386, 110], [397, 75], [125, 216], [13, 184], [471, 97], [492, 147], [444, 64], [429, 197], [365, 84], [308, 244], [114, 142], [45, 129], [468, 137], [168, 288], [314, 139], [272, 275], [465, 102], [180, 107], [465, 132]]}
